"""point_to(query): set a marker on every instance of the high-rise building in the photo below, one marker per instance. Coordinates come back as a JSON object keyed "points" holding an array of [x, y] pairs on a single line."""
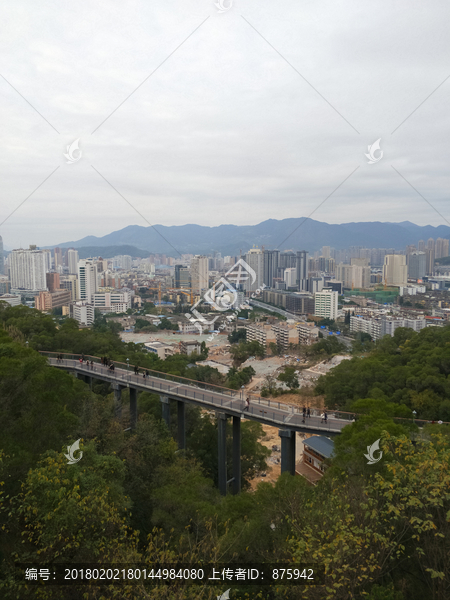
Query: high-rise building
{"points": [[290, 277], [87, 280], [302, 270], [2, 260], [326, 251], [53, 281], [199, 274], [271, 263], [70, 282], [255, 259], [326, 304], [441, 248], [28, 270], [421, 246], [417, 265], [72, 261], [58, 255], [182, 277], [395, 269]]}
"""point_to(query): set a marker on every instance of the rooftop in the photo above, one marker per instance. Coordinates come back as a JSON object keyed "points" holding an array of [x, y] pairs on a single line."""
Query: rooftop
{"points": [[320, 444]]}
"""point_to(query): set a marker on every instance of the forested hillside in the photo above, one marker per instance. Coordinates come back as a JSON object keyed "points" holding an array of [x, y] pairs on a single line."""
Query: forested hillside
{"points": [[382, 531]]}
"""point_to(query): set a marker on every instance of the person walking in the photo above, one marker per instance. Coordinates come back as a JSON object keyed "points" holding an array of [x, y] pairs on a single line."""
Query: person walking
{"points": [[304, 413], [309, 412], [81, 361], [147, 374], [322, 416], [325, 417], [247, 404]]}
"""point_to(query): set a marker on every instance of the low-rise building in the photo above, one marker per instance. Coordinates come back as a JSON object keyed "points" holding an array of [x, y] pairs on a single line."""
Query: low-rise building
{"points": [[260, 332], [308, 333], [47, 301], [159, 348], [12, 299], [316, 450], [189, 347]]}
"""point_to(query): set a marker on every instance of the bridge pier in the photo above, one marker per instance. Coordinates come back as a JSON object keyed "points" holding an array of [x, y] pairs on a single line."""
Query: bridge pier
{"points": [[236, 455], [133, 408], [287, 450], [181, 416], [222, 454], [117, 399], [165, 409]]}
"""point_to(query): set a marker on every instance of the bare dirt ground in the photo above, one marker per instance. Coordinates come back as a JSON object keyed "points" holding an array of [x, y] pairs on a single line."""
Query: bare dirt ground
{"points": [[272, 440]]}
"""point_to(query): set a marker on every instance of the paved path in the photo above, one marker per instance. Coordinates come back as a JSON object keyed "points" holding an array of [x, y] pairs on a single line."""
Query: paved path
{"points": [[207, 396]]}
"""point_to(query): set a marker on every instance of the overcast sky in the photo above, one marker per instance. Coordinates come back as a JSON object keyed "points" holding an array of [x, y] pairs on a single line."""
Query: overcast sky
{"points": [[258, 112]]}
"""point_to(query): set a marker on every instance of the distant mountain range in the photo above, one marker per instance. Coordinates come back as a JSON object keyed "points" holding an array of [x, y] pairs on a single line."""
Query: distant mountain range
{"points": [[297, 234]]}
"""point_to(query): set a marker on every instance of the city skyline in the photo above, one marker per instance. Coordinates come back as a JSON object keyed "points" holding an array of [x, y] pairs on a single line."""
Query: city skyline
{"points": [[190, 115]]}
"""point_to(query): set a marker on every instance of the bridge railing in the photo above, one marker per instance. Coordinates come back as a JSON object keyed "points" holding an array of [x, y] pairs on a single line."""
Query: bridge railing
{"points": [[152, 373]]}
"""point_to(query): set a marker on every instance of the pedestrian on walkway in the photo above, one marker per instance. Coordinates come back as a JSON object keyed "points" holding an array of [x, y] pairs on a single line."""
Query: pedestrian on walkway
{"points": [[247, 404], [325, 417], [81, 361], [322, 416], [309, 412], [92, 365], [147, 374], [304, 411]]}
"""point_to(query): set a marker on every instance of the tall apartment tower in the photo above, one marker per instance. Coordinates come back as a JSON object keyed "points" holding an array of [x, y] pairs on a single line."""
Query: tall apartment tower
{"points": [[199, 274], [255, 259], [421, 246], [302, 270], [87, 280], [28, 270], [326, 304], [395, 269], [72, 261], [58, 255], [441, 248], [271, 263], [53, 282], [417, 265]]}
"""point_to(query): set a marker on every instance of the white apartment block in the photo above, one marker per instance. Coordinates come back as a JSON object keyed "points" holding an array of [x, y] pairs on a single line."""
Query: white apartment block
{"points": [[83, 312], [263, 334], [72, 261], [290, 277], [11, 299], [255, 259], [112, 302], [199, 270], [377, 328], [187, 327], [87, 280], [326, 304], [27, 270], [159, 348], [395, 271]]}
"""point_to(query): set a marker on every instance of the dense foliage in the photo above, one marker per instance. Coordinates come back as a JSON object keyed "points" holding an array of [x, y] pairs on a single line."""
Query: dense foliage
{"points": [[382, 531], [409, 368]]}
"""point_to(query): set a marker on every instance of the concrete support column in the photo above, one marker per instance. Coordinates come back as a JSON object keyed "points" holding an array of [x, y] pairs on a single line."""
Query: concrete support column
{"points": [[236, 455], [88, 380], [165, 409], [117, 399], [287, 450], [133, 407], [181, 417], [222, 454]]}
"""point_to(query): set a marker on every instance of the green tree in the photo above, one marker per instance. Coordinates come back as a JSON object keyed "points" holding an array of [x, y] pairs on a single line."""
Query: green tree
{"points": [[289, 377]]}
